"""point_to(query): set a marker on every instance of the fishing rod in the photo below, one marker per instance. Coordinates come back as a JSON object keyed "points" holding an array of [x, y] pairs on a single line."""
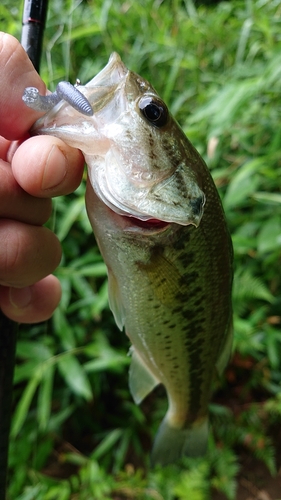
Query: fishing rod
{"points": [[33, 24], [8, 338]]}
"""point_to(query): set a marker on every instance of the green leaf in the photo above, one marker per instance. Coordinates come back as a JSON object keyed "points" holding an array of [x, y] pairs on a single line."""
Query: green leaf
{"points": [[63, 329], [70, 216], [61, 492], [75, 376], [193, 484], [81, 286], [57, 419], [107, 444], [114, 363], [29, 349], [24, 404], [268, 198], [269, 237], [25, 371], [99, 269], [82, 32], [247, 287], [243, 184], [45, 397]]}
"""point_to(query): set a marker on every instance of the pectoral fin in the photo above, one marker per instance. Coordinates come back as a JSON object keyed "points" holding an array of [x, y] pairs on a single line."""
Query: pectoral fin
{"points": [[163, 276], [141, 380], [115, 300]]}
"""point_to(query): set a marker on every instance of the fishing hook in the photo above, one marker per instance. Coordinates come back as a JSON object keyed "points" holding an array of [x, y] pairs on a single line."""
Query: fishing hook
{"points": [[64, 91]]}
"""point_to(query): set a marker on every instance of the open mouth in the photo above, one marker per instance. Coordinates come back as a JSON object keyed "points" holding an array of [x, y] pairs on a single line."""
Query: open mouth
{"points": [[154, 225]]}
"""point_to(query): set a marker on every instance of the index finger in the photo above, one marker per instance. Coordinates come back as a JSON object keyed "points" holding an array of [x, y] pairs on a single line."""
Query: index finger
{"points": [[17, 72]]}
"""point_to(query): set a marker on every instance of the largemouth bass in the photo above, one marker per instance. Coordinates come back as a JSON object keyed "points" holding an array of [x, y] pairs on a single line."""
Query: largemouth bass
{"points": [[160, 227]]}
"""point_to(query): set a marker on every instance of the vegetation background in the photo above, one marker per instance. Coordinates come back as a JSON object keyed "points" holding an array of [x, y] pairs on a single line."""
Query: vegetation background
{"points": [[76, 433]]}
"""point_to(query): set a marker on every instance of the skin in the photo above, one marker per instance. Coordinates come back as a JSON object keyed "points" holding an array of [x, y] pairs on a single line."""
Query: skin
{"points": [[32, 171]]}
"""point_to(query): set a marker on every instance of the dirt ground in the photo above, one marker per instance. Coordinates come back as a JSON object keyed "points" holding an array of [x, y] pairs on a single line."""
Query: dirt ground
{"points": [[255, 482]]}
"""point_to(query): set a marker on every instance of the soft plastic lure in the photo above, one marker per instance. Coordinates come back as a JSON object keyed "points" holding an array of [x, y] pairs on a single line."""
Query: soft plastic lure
{"points": [[64, 91]]}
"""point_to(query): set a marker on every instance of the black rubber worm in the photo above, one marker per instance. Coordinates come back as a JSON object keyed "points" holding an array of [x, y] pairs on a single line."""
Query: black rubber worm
{"points": [[65, 91]]}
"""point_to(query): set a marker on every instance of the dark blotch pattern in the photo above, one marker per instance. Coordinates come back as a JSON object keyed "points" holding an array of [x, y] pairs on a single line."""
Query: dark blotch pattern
{"points": [[197, 205]]}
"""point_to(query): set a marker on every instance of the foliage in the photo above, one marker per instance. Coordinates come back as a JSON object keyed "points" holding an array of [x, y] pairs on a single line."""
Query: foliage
{"points": [[76, 433]]}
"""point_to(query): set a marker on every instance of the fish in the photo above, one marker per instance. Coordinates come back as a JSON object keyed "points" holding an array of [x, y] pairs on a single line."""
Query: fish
{"points": [[161, 229]]}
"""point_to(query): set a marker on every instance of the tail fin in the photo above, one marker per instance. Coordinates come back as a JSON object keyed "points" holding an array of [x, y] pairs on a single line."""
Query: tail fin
{"points": [[171, 444]]}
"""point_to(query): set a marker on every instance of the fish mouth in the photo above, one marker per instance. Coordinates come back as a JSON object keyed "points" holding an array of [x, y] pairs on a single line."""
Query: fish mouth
{"points": [[132, 224], [149, 225]]}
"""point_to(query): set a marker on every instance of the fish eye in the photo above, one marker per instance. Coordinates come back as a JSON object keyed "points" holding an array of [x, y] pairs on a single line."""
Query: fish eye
{"points": [[154, 110]]}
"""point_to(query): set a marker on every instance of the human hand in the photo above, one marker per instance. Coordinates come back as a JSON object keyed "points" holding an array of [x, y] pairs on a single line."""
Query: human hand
{"points": [[32, 171]]}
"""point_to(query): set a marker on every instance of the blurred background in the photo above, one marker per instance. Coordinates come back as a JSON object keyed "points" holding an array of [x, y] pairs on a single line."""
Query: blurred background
{"points": [[76, 433]]}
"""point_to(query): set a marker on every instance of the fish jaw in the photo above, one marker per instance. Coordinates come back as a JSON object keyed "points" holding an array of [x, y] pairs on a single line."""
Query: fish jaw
{"points": [[122, 223], [85, 132], [176, 199]]}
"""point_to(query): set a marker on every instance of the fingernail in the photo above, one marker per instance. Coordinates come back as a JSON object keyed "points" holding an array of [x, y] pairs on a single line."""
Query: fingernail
{"points": [[55, 169], [20, 297]]}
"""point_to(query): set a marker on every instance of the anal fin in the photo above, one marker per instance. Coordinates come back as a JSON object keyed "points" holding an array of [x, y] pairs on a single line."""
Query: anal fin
{"points": [[141, 380]]}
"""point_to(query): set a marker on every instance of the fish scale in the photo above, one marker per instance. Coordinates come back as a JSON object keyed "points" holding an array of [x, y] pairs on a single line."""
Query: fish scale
{"points": [[160, 226]]}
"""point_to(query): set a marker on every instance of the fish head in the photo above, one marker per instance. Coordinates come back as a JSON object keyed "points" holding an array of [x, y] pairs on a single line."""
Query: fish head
{"points": [[140, 163]]}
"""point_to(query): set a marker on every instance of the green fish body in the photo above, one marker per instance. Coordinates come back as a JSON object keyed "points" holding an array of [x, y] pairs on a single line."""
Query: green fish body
{"points": [[160, 226]]}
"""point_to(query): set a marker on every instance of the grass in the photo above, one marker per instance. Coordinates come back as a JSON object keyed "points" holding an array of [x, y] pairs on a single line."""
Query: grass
{"points": [[76, 433]]}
